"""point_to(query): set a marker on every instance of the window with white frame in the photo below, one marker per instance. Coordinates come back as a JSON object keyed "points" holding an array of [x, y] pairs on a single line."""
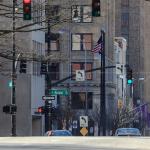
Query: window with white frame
{"points": [[81, 14], [82, 41]]}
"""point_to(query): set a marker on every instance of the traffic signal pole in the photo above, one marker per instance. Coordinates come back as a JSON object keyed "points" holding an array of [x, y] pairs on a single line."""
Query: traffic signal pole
{"points": [[13, 98], [48, 115], [102, 89], [48, 103]]}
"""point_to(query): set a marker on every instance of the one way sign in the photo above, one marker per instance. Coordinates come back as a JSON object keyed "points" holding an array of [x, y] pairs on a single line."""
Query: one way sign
{"points": [[80, 75], [48, 97]]}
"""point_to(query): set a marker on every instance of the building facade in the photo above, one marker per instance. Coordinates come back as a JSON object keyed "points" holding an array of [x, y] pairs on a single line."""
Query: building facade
{"points": [[133, 24], [120, 46], [129, 24], [73, 38]]}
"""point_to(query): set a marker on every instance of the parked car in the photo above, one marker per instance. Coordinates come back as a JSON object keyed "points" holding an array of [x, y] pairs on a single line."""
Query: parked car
{"points": [[127, 132], [58, 133]]}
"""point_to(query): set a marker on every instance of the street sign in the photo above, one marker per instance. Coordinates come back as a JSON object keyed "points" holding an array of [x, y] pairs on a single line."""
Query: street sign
{"points": [[48, 97], [80, 75], [74, 124], [120, 103], [83, 121], [118, 69], [63, 92], [84, 131]]}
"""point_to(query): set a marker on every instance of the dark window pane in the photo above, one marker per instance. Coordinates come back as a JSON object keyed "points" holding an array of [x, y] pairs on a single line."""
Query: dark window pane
{"points": [[79, 100], [54, 71]]}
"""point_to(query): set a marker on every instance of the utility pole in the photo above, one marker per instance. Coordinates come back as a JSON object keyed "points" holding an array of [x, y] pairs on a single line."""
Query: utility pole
{"points": [[48, 103], [102, 90], [13, 100]]}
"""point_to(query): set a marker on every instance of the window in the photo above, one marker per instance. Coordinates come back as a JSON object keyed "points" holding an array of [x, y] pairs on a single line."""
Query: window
{"points": [[125, 20], [81, 14], [37, 12], [37, 48], [82, 41], [79, 99], [52, 12], [54, 41], [53, 70], [124, 3], [81, 66]]}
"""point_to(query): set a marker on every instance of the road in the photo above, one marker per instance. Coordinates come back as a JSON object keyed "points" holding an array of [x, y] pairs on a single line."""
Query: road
{"points": [[74, 143]]}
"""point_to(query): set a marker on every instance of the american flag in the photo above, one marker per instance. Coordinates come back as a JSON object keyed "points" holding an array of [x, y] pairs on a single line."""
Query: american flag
{"points": [[98, 48]]}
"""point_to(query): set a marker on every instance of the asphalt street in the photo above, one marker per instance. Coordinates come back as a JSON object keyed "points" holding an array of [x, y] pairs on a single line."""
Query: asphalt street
{"points": [[74, 143]]}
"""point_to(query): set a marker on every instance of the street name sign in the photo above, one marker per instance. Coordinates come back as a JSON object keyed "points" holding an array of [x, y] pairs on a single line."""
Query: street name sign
{"points": [[48, 97], [63, 92]]}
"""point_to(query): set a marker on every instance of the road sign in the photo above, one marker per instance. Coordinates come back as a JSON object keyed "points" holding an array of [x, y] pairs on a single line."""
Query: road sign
{"points": [[48, 97], [80, 75], [63, 92], [74, 124], [120, 103], [84, 131], [83, 121], [118, 69]]}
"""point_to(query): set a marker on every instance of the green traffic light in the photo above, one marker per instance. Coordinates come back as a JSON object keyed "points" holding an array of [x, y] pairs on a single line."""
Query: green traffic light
{"points": [[130, 81], [27, 17], [10, 84]]}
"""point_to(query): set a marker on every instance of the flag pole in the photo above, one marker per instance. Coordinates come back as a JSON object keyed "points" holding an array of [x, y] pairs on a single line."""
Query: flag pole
{"points": [[102, 87]]}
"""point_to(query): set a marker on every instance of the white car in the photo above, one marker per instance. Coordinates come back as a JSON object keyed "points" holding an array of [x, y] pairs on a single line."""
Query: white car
{"points": [[127, 132]]}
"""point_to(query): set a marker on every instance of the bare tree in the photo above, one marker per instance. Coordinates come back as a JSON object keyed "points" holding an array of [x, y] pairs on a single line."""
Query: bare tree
{"points": [[95, 114]]}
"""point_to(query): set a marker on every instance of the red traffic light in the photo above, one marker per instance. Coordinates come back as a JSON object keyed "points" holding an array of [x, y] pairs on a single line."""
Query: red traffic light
{"points": [[40, 109], [26, 9], [26, 1]]}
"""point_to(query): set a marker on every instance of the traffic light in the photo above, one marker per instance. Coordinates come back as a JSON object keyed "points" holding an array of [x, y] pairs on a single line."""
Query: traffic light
{"points": [[41, 109], [129, 76], [95, 8], [27, 9], [10, 109], [6, 109], [43, 67], [23, 66]]}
